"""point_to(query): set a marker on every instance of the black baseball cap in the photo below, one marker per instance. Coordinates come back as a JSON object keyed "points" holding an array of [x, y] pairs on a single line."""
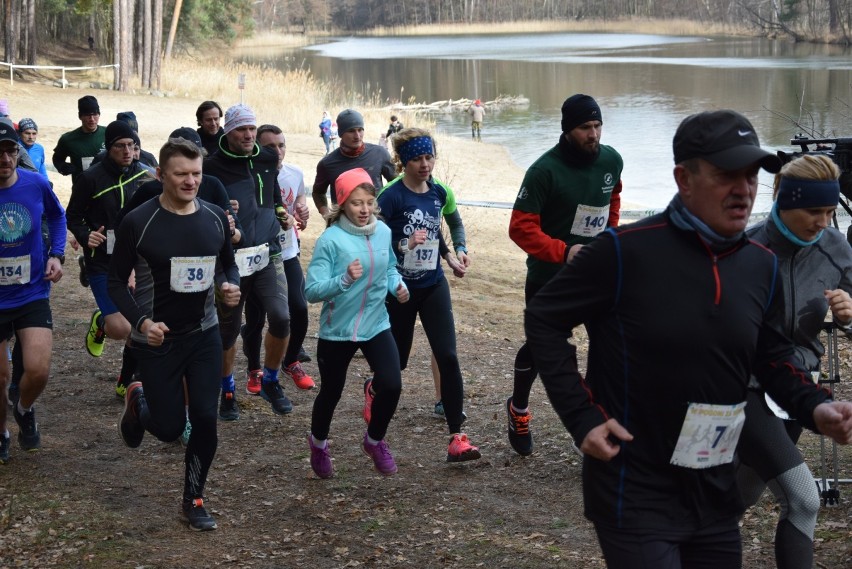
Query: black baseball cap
{"points": [[724, 138], [187, 134], [7, 130]]}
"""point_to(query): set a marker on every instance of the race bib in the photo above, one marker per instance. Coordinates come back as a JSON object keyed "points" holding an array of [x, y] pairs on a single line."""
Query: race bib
{"points": [[284, 238], [424, 257], [192, 274], [709, 435], [252, 259], [14, 270], [589, 221], [110, 241], [86, 161]]}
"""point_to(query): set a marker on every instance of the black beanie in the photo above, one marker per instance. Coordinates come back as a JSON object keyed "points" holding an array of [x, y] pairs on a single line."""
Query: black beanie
{"points": [[116, 130], [88, 105], [579, 109]]}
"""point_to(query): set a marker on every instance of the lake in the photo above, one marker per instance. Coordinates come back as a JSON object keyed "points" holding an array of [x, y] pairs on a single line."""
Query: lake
{"points": [[645, 85]]}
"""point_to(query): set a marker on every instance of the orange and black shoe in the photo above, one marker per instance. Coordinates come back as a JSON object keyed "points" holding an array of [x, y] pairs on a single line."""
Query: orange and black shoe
{"points": [[520, 436]]}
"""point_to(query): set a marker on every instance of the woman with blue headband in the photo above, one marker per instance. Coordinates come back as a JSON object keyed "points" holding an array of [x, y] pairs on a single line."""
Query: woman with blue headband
{"points": [[815, 262], [411, 206]]}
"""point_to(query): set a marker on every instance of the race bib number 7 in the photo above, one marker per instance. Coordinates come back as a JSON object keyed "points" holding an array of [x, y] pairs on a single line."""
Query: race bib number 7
{"points": [[192, 274], [709, 435]]}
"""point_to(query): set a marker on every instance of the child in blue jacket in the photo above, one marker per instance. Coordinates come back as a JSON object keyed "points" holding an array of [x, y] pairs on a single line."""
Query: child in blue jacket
{"points": [[352, 270]]}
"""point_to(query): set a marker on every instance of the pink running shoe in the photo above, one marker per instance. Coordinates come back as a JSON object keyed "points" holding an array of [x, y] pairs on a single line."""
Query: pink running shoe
{"points": [[382, 458], [255, 376], [299, 377], [461, 450]]}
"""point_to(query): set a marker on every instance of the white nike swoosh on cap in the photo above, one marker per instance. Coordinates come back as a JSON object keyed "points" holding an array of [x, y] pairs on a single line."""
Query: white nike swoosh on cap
{"points": [[744, 132]]}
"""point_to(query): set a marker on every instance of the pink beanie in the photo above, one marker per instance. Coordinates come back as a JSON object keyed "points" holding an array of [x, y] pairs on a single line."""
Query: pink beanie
{"points": [[348, 181]]}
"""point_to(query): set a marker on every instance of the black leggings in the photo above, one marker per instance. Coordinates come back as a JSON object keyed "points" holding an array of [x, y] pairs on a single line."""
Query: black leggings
{"points": [[435, 308], [525, 371], [333, 359], [196, 362], [255, 315]]}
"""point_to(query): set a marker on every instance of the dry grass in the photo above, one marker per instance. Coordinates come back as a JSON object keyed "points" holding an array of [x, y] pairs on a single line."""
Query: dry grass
{"points": [[632, 25]]}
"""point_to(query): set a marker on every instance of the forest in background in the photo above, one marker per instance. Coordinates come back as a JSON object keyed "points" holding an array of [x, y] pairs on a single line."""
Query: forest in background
{"points": [[138, 34]]}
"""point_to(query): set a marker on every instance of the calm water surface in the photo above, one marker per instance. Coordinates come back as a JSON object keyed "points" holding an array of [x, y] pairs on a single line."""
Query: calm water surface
{"points": [[645, 84]]}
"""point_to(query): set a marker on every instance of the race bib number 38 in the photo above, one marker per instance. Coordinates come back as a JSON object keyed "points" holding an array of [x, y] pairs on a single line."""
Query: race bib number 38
{"points": [[252, 259], [14, 270], [589, 221], [709, 435], [192, 274]]}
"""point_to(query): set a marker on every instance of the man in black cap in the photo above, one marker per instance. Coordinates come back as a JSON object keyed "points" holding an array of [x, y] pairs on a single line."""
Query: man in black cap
{"points": [[353, 152], [97, 196], [143, 156], [568, 196], [680, 308], [76, 149]]}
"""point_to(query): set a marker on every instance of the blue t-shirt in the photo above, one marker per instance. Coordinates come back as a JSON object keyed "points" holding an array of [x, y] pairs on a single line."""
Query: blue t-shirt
{"points": [[21, 209], [405, 212], [36, 152]]}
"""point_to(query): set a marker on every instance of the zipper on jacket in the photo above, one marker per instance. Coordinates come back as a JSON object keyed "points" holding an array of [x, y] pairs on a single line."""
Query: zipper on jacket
{"points": [[366, 291]]}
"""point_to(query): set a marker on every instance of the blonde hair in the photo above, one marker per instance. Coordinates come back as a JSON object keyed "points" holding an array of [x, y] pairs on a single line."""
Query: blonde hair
{"points": [[807, 167], [404, 136]]}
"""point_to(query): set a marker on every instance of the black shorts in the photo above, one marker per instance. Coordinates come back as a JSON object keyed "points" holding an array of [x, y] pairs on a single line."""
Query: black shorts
{"points": [[35, 314]]}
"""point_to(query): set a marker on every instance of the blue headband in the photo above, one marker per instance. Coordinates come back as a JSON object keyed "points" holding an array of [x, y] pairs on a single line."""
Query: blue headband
{"points": [[417, 146], [803, 194]]}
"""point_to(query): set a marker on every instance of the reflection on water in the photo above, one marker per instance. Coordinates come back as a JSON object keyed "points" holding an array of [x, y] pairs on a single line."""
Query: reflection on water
{"points": [[645, 84]]}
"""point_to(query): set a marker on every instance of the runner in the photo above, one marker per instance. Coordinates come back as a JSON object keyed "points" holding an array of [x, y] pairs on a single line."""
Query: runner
{"points": [[412, 207], [82, 144], [568, 196], [292, 184], [173, 243], [26, 271], [815, 263], [97, 197], [250, 174], [352, 271]]}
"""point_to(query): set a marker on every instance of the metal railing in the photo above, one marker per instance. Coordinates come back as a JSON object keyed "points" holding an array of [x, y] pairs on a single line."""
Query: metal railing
{"points": [[12, 68]]}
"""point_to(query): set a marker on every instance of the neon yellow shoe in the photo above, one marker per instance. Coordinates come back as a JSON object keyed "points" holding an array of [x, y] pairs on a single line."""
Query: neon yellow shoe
{"points": [[96, 335]]}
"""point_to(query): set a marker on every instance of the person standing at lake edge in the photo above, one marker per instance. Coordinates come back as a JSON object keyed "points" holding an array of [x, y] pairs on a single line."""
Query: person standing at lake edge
{"points": [[681, 308], [568, 196], [477, 114], [352, 153], [325, 131]]}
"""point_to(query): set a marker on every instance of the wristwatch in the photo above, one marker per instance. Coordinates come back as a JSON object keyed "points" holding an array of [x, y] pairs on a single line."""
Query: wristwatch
{"points": [[403, 245], [58, 256]]}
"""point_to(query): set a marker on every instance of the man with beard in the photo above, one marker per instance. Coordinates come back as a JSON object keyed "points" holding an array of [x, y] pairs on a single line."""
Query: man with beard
{"points": [[568, 196], [352, 153]]}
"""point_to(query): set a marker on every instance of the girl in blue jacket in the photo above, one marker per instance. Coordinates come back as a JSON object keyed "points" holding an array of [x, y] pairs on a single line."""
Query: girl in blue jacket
{"points": [[352, 270]]}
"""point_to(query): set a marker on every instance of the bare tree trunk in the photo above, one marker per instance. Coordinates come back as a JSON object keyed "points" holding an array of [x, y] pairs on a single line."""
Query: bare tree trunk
{"points": [[32, 36], [156, 43], [173, 29], [125, 49], [146, 43], [116, 43]]}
